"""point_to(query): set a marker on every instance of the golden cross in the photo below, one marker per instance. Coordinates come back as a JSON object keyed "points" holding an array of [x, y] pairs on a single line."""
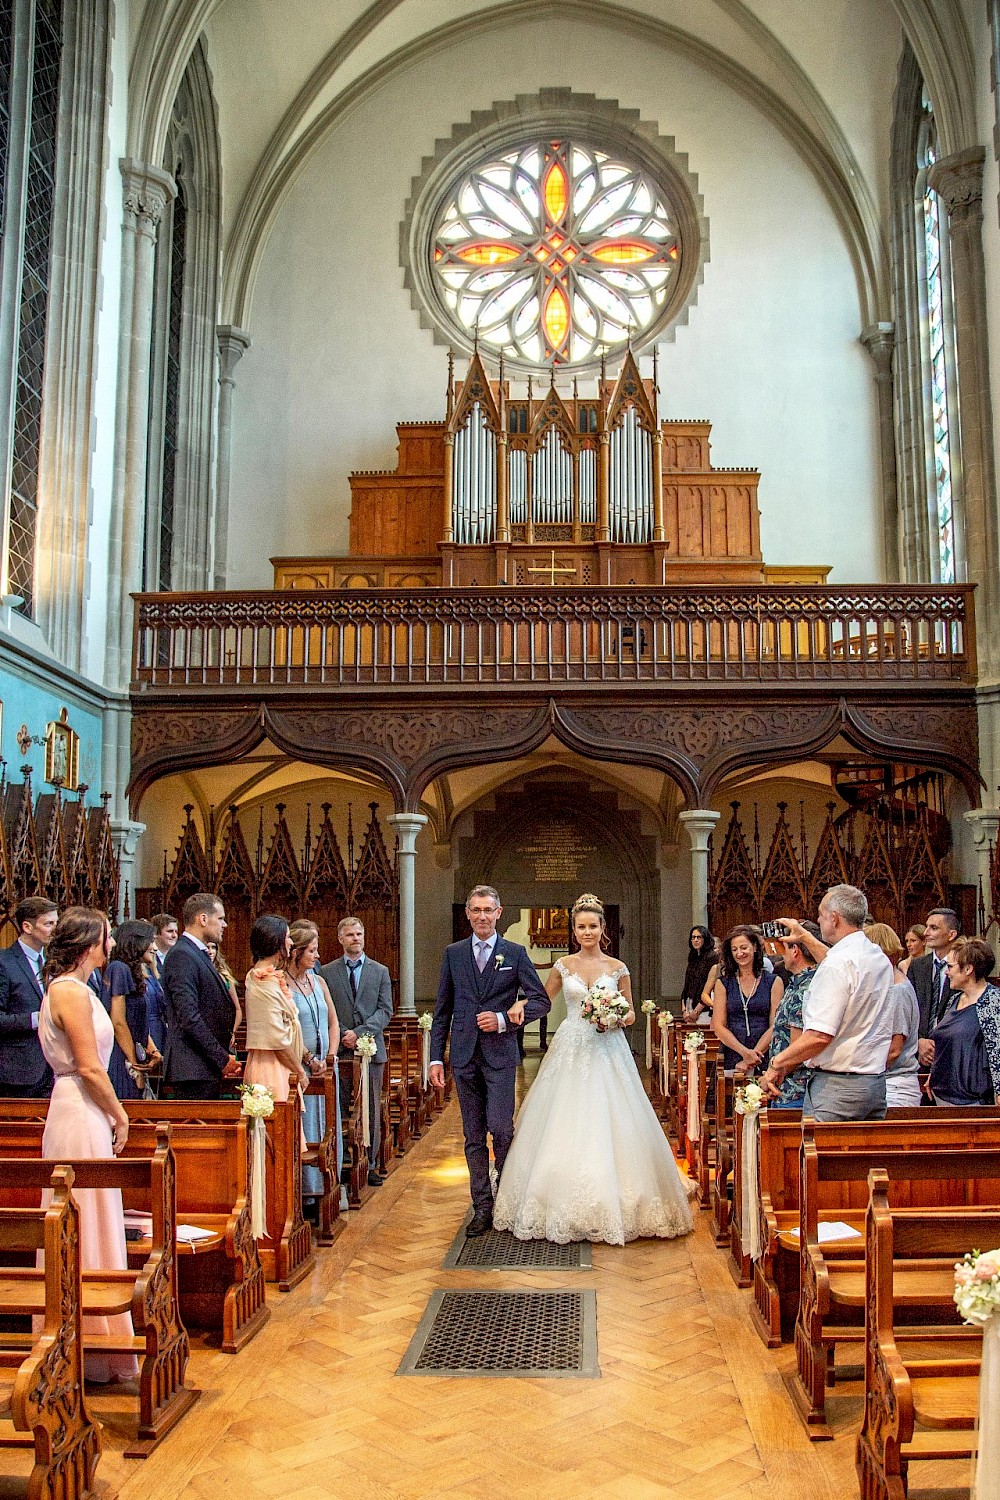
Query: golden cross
{"points": [[552, 570]]}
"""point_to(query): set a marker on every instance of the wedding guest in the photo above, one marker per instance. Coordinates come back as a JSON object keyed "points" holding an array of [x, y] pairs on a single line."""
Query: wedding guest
{"points": [[320, 1039], [915, 945], [274, 1036], [746, 998], [966, 1066], [929, 977], [221, 963], [702, 956], [902, 1085], [155, 1000], [198, 1059], [846, 1023], [24, 1073], [124, 996], [167, 932], [799, 965], [362, 993], [85, 1118]]}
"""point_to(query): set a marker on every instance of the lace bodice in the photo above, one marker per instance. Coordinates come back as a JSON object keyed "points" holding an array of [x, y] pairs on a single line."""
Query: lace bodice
{"points": [[575, 989]]}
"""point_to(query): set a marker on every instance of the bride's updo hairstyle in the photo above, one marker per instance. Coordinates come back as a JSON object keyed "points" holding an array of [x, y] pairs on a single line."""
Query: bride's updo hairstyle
{"points": [[590, 903], [77, 930]]}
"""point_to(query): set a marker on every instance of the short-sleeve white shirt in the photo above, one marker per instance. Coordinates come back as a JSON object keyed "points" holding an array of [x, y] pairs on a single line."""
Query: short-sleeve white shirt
{"points": [[848, 999]]}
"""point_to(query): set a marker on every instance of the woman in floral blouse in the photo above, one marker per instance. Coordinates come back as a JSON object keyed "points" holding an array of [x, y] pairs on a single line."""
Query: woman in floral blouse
{"points": [[966, 1065]]}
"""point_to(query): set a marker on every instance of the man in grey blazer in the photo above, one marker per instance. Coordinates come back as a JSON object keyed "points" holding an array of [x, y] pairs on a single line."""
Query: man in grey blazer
{"points": [[362, 993]]}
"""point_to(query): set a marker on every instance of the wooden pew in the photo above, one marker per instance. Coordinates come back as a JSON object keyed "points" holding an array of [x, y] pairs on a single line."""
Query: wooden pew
{"points": [[921, 1397], [721, 1145], [776, 1274], [322, 1155], [148, 1292], [41, 1391], [940, 1171], [398, 1071], [705, 1070], [419, 1099], [220, 1283]]}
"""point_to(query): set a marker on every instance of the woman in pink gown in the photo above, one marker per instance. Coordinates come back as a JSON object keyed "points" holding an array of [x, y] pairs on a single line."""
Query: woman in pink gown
{"points": [[274, 1034], [85, 1118]]}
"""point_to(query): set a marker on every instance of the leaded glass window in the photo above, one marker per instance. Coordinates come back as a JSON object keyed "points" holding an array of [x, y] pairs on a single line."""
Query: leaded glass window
{"points": [[937, 350], [34, 299], [556, 252]]}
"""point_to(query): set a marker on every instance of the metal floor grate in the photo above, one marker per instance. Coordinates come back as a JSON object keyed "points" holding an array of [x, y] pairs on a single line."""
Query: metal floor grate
{"points": [[549, 1334], [498, 1250]]}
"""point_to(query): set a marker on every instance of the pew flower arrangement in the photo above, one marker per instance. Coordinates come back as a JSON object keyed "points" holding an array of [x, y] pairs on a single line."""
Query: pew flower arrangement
{"points": [[366, 1050], [694, 1041], [977, 1286], [425, 1021], [648, 1009], [366, 1046], [749, 1099], [258, 1105], [258, 1100]]}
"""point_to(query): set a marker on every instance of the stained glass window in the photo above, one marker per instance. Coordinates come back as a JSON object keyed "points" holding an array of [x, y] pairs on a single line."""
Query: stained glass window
{"points": [[556, 252], [937, 353], [39, 202], [171, 404]]}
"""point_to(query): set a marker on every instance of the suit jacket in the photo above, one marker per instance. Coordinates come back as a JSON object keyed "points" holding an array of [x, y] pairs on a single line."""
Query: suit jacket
{"points": [[22, 1062], [463, 992], [921, 976], [368, 1014], [199, 1014]]}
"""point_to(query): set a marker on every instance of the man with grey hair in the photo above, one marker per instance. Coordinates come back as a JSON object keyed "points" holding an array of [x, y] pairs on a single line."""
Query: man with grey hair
{"points": [[846, 1020], [477, 1002]]}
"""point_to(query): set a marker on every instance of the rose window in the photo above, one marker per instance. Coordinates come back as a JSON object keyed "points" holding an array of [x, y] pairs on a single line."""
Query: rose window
{"points": [[556, 253]]}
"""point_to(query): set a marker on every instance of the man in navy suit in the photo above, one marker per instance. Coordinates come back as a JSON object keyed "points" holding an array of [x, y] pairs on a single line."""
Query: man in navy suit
{"points": [[24, 1073], [479, 985], [200, 1016]]}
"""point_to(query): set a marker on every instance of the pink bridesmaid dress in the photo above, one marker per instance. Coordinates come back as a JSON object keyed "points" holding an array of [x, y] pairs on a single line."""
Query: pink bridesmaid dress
{"points": [[77, 1128]]}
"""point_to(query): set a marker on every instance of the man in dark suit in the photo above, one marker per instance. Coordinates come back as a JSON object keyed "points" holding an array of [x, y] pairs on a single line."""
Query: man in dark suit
{"points": [[929, 976], [198, 1008], [24, 1073], [362, 994], [479, 985]]}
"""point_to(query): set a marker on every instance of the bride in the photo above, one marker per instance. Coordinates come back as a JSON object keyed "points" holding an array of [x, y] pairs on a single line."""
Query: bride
{"points": [[589, 1160]]}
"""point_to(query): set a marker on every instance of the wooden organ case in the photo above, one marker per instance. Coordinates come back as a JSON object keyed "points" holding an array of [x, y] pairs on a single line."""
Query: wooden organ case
{"points": [[545, 490]]}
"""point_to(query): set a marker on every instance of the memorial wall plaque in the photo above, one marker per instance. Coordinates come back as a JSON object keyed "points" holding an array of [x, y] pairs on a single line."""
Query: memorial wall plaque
{"points": [[556, 851]]}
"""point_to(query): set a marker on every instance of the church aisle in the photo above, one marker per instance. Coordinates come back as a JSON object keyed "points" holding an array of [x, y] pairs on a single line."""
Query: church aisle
{"points": [[689, 1404]]}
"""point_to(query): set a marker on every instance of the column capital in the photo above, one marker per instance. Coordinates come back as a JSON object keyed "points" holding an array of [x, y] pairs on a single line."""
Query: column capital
{"points": [[233, 343], [146, 190], [699, 822], [407, 826], [880, 341], [984, 822], [125, 835], [958, 182]]}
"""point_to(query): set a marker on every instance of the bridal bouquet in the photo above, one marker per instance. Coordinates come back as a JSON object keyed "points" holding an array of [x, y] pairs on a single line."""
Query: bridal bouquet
{"points": [[604, 1006], [977, 1286]]}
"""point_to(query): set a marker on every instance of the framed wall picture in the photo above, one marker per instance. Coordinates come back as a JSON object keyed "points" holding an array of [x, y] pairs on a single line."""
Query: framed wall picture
{"points": [[62, 753]]}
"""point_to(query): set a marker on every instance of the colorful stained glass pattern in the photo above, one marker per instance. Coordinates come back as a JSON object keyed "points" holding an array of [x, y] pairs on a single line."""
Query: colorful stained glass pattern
{"points": [[555, 253], [937, 351]]}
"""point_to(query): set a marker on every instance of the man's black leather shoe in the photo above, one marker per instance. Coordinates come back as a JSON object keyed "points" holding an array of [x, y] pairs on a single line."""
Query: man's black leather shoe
{"points": [[374, 1180], [481, 1224]]}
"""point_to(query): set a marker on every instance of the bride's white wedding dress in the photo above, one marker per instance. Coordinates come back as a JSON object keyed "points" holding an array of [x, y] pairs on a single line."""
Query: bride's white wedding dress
{"points": [[589, 1160]]}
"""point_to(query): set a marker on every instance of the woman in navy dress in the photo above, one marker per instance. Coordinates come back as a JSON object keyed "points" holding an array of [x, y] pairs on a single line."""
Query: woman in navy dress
{"points": [[124, 998], [746, 999], [966, 1065]]}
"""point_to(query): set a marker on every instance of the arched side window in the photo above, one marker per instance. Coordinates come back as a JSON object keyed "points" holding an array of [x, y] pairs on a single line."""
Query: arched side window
{"points": [[929, 454], [30, 63], [180, 488]]}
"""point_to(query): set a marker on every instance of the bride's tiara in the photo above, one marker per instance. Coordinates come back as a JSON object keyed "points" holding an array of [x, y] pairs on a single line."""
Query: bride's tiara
{"points": [[588, 902]]}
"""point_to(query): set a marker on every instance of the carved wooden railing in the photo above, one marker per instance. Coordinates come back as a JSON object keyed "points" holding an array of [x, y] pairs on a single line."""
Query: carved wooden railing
{"points": [[376, 638]]}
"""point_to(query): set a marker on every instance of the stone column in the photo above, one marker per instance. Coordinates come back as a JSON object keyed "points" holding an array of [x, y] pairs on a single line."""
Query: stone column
{"points": [[147, 191], [984, 822], [880, 341], [233, 344], [125, 836], [407, 826], [699, 822], [958, 182]]}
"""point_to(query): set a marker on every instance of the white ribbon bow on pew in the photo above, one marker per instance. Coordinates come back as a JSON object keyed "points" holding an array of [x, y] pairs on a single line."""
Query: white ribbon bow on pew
{"points": [[747, 1103], [258, 1106], [366, 1051], [425, 1021]]}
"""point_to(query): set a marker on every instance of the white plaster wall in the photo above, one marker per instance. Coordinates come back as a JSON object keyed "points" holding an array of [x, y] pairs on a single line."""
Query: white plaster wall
{"points": [[770, 353], [106, 378], [980, 32]]}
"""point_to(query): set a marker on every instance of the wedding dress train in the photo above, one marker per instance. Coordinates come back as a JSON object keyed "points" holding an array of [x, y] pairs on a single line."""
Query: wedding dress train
{"points": [[589, 1160]]}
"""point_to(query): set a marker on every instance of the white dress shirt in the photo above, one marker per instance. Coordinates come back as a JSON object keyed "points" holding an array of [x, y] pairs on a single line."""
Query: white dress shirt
{"points": [[848, 1000], [35, 961]]}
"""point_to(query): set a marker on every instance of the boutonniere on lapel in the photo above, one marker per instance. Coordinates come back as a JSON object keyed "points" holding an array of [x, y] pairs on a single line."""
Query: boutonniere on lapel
{"points": [[498, 960]]}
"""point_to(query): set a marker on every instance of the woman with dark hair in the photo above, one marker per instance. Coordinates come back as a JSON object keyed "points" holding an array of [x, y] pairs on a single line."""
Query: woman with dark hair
{"points": [[221, 966], [746, 999], [274, 1036], [702, 957], [966, 1065], [85, 1117], [124, 993]]}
